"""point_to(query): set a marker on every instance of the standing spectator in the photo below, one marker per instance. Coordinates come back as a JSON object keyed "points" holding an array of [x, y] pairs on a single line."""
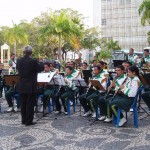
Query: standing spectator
{"points": [[56, 62], [12, 63]]}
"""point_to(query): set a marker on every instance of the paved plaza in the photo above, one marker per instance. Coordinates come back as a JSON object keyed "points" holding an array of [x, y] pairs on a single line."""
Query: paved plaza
{"points": [[71, 133]]}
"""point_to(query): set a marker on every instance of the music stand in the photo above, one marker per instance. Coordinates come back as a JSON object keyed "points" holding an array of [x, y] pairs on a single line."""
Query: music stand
{"points": [[87, 74], [80, 83], [118, 62], [98, 87], [11, 80]]}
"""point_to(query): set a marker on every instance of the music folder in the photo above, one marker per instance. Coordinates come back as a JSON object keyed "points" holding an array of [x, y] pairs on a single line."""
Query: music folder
{"points": [[11, 79], [97, 85], [45, 77], [79, 82]]}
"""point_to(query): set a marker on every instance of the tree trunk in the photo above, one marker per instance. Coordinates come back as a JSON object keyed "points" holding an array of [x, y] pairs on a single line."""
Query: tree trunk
{"points": [[65, 55], [14, 51], [59, 50]]}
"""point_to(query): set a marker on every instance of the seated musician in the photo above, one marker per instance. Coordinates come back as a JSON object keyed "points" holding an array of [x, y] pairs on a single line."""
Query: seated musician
{"points": [[9, 93], [127, 65], [102, 66], [84, 66], [146, 59], [70, 89], [129, 89], [132, 57], [103, 100], [75, 72], [88, 99], [49, 90], [94, 63]]}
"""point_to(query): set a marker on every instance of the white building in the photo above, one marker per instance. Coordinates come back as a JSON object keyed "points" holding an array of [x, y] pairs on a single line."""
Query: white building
{"points": [[119, 19]]}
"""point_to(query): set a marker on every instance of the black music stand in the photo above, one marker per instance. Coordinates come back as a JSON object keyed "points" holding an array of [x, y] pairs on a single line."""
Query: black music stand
{"points": [[118, 62], [87, 74], [98, 86], [11, 80], [80, 83], [146, 76]]}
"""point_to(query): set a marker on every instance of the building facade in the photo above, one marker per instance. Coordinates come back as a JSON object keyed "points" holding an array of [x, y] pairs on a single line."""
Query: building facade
{"points": [[119, 19]]}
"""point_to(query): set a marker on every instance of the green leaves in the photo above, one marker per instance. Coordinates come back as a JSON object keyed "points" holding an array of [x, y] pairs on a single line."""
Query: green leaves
{"points": [[144, 12], [63, 26], [15, 35]]}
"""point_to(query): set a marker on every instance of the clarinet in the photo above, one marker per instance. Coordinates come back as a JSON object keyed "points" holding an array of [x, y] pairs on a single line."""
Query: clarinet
{"points": [[108, 91], [118, 89], [90, 88]]}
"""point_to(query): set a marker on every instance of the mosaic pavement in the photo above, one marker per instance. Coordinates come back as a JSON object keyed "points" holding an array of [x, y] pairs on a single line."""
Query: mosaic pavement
{"points": [[71, 133]]}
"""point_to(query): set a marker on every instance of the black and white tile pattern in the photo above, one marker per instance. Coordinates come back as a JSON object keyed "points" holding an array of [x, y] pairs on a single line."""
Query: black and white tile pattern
{"points": [[71, 133]]}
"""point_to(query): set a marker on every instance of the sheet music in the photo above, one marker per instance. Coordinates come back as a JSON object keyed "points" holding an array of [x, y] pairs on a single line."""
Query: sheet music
{"points": [[45, 77], [79, 82]]}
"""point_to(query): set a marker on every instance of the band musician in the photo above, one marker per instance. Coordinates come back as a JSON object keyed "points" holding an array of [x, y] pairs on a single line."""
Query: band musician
{"points": [[113, 86], [49, 90], [66, 92], [89, 99], [125, 100]]}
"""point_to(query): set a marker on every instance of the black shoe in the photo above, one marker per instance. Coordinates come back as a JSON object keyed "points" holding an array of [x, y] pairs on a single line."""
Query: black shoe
{"points": [[29, 124], [23, 123]]}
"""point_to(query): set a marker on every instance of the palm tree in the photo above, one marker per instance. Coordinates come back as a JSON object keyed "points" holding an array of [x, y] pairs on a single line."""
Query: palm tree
{"points": [[14, 35], [112, 45], [144, 12], [62, 26], [91, 39]]}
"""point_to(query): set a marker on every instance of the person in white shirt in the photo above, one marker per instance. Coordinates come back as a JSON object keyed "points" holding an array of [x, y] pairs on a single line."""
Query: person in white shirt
{"points": [[129, 89], [103, 100], [89, 99], [132, 57], [12, 64]]}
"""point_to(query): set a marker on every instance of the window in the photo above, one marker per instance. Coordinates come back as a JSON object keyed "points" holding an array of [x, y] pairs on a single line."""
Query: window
{"points": [[103, 21]]}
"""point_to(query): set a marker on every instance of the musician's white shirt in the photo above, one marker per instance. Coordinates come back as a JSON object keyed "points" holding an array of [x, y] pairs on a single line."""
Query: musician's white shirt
{"points": [[120, 80], [102, 79], [131, 86], [70, 84], [76, 74]]}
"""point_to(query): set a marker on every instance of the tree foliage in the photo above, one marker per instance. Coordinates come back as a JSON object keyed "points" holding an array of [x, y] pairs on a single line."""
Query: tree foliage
{"points": [[55, 31], [15, 35], [144, 12]]}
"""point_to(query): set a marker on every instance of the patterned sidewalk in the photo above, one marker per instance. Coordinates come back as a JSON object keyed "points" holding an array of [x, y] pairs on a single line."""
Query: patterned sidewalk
{"points": [[71, 133]]}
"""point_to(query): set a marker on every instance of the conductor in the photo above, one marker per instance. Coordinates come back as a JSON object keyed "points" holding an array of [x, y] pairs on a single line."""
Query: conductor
{"points": [[27, 68]]}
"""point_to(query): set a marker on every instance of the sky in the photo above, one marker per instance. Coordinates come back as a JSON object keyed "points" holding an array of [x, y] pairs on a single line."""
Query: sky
{"points": [[16, 10]]}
